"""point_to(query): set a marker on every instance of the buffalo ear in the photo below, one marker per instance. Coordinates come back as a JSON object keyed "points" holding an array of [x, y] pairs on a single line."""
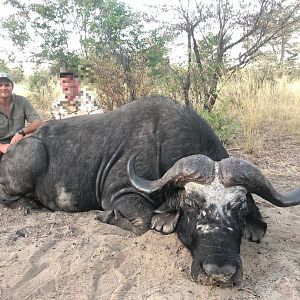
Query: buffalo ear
{"points": [[165, 219]]}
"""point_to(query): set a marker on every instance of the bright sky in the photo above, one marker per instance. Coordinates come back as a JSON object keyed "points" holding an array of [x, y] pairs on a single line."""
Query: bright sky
{"points": [[142, 4]]}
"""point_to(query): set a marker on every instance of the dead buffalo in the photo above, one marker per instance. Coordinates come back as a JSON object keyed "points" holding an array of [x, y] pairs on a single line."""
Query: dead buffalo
{"points": [[149, 164]]}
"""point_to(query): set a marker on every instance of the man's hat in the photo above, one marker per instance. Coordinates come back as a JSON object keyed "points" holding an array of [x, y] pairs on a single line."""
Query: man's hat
{"points": [[6, 76], [67, 72]]}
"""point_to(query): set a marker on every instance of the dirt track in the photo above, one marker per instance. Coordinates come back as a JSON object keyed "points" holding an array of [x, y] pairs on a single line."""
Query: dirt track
{"points": [[46, 255]]}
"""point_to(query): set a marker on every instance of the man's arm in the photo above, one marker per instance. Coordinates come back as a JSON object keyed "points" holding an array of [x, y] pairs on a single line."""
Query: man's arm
{"points": [[33, 118], [33, 126], [30, 128], [3, 148]]}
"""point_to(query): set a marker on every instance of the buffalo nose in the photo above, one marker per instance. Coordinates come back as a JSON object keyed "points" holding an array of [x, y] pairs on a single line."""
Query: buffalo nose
{"points": [[225, 270]]}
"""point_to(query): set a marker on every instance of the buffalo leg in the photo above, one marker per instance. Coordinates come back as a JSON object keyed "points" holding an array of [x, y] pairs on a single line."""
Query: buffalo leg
{"points": [[114, 217], [132, 208]]}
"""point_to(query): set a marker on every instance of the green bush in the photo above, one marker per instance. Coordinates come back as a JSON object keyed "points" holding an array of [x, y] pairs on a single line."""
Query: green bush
{"points": [[224, 126]]}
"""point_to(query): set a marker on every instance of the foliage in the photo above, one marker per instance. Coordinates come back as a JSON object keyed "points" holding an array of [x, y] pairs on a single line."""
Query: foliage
{"points": [[77, 32], [156, 54], [127, 60], [3, 66], [17, 30], [215, 30], [271, 62], [110, 79], [17, 73], [225, 127], [66, 30], [42, 90]]}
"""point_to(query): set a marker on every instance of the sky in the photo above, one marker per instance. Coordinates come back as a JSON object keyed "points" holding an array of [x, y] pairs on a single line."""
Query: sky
{"points": [[142, 4]]}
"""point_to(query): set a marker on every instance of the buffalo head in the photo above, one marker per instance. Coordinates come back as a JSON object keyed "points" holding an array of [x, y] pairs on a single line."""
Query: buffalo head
{"points": [[210, 206]]}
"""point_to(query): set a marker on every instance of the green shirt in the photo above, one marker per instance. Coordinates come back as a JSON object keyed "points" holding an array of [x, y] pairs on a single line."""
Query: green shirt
{"points": [[21, 110]]}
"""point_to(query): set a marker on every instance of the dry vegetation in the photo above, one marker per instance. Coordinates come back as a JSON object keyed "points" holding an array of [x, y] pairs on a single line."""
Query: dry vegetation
{"points": [[252, 107], [264, 109], [42, 97]]}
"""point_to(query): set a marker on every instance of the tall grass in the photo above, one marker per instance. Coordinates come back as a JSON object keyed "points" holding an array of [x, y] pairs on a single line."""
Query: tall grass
{"points": [[41, 90], [264, 108], [253, 106]]}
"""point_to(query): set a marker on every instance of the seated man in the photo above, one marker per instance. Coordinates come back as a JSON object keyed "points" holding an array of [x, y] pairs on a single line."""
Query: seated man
{"points": [[73, 100], [14, 111]]}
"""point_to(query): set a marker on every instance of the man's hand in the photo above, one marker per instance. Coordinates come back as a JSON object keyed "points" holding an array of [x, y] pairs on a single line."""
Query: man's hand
{"points": [[4, 147], [17, 137]]}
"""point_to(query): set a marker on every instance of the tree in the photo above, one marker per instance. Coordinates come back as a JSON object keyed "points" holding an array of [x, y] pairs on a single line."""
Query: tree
{"points": [[74, 32], [3, 66], [63, 29], [17, 73], [216, 31]]}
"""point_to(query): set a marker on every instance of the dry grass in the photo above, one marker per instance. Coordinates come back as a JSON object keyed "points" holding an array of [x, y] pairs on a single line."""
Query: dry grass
{"points": [[41, 98], [266, 109]]}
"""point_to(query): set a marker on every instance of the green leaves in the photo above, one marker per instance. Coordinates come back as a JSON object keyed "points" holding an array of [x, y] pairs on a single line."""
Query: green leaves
{"points": [[17, 30], [60, 28]]}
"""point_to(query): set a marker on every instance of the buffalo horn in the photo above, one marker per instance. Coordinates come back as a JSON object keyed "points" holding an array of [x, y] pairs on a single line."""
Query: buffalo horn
{"points": [[197, 168], [240, 172]]}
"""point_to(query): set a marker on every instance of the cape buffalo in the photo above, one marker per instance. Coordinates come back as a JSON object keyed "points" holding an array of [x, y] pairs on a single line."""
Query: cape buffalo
{"points": [[149, 164]]}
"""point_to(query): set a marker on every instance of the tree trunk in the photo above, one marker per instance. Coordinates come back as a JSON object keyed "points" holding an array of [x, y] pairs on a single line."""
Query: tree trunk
{"points": [[282, 49], [126, 65], [186, 83]]}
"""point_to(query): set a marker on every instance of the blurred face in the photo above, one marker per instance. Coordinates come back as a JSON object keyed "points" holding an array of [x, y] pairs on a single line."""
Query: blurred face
{"points": [[70, 86], [6, 88]]}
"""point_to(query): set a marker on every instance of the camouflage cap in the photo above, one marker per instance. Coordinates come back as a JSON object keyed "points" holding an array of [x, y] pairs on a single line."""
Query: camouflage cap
{"points": [[6, 76], [67, 71]]}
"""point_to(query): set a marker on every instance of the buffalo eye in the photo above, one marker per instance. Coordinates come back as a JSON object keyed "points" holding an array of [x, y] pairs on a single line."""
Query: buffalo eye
{"points": [[190, 202], [239, 206], [194, 200]]}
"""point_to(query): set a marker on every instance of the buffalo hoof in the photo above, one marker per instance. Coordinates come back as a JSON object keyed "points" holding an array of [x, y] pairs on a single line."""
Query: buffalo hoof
{"points": [[255, 229], [165, 222], [114, 217]]}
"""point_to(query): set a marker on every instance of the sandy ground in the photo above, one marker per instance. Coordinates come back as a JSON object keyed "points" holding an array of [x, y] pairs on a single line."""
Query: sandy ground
{"points": [[55, 255]]}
